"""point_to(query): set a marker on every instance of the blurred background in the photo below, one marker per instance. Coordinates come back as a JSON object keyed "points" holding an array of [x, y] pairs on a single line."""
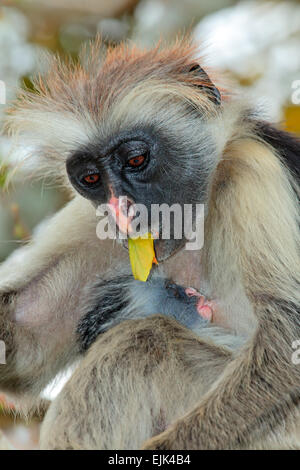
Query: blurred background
{"points": [[256, 44]]}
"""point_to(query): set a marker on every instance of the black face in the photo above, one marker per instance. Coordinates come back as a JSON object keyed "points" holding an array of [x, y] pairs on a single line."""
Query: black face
{"points": [[142, 165], [124, 165]]}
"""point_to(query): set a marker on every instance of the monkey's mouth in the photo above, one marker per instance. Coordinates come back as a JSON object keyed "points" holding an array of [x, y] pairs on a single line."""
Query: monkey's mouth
{"points": [[164, 249], [123, 215]]}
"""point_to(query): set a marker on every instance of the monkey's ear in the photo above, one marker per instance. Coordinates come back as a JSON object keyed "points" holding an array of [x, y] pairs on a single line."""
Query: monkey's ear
{"points": [[207, 84]]}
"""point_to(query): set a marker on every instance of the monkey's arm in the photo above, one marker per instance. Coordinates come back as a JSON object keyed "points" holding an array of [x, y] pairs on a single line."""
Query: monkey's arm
{"points": [[41, 289], [252, 234], [133, 382], [257, 396]]}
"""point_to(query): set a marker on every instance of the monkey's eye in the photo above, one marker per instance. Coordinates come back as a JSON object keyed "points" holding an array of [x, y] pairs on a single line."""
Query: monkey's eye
{"points": [[136, 162], [91, 179]]}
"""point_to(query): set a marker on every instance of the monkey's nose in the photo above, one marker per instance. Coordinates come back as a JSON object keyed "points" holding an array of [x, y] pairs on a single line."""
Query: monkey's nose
{"points": [[122, 209]]}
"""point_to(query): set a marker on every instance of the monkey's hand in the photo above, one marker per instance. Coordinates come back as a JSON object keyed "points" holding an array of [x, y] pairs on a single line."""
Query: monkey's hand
{"points": [[192, 432], [164, 441]]}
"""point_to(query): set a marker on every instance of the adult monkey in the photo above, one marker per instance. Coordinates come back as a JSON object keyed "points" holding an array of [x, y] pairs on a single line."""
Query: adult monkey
{"points": [[194, 148], [124, 389]]}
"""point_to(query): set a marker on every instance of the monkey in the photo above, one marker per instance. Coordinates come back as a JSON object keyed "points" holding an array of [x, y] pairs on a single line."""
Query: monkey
{"points": [[194, 143], [44, 333]]}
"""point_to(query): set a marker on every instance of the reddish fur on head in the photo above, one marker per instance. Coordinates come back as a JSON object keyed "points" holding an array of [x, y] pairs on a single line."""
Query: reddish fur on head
{"points": [[71, 86]]}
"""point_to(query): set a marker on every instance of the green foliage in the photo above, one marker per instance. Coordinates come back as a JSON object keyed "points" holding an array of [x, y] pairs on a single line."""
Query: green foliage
{"points": [[4, 169]]}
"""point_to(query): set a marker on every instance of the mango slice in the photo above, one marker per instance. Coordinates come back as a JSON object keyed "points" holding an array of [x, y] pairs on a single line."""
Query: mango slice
{"points": [[142, 256]]}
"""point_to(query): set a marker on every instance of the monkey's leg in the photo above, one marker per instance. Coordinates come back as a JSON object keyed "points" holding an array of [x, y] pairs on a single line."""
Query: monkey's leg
{"points": [[135, 380], [44, 292], [276, 427]]}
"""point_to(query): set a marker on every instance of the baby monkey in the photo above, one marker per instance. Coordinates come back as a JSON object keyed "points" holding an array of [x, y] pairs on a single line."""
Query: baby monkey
{"points": [[123, 298]]}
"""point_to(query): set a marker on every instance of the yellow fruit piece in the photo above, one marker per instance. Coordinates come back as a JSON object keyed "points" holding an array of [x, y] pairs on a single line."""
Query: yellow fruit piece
{"points": [[142, 256], [292, 119]]}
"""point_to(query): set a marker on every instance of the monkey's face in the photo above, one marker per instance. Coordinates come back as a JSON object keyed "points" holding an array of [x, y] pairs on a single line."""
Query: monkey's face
{"points": [[149, 167], [142, 124]]}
